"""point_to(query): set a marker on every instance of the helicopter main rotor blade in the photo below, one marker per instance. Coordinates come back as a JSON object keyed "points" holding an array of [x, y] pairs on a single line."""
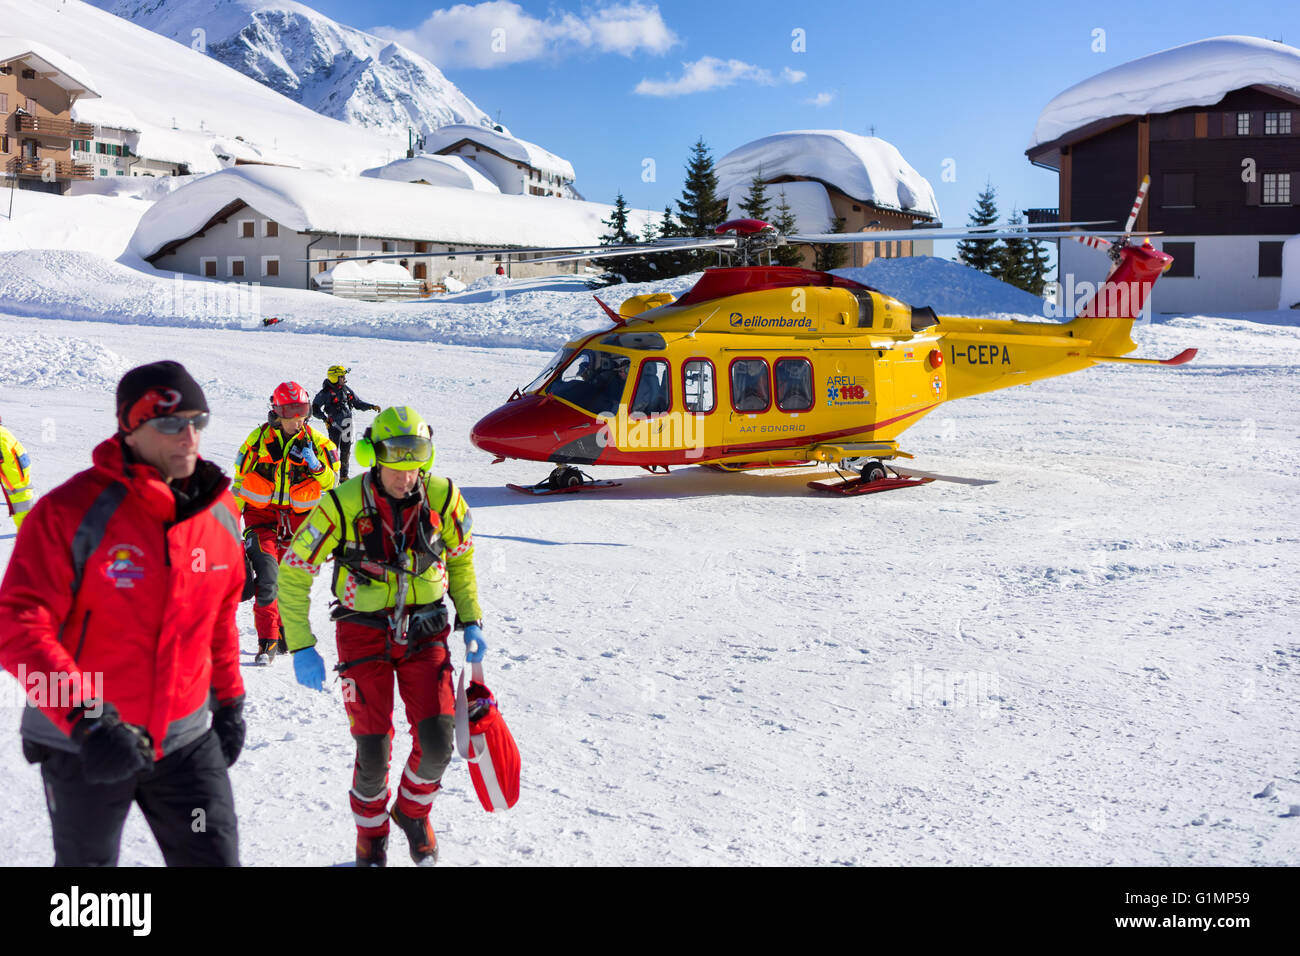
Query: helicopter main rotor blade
{"points": [[517, 250], [923, 234], [612, 252]]}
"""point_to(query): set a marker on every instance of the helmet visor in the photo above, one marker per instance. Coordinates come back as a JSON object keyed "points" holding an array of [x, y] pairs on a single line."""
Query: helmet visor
{"points": [[404, 450], [293, 410]]}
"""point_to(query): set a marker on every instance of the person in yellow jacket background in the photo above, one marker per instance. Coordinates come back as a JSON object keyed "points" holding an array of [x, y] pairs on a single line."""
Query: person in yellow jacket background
{"points": [[15, 476], [281, 471], [401, 538]]}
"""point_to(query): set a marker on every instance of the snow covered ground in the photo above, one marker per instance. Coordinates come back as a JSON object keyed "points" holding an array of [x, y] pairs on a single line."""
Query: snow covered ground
{"points": [[1091, 661]]}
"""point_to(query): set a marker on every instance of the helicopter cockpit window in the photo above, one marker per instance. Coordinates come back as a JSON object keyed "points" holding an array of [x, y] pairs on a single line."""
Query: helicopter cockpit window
{"points": [[794, 385], [558, 359], [593, 380], [697, 386], [653, 394], [750, 386]]}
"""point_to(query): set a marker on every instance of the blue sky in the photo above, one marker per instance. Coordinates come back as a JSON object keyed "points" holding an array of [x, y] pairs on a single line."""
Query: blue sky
{"points": [[942, 81]]}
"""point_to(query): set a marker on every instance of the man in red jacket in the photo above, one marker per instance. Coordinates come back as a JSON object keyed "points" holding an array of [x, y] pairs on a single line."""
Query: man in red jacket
{"points": [[117, 614]]}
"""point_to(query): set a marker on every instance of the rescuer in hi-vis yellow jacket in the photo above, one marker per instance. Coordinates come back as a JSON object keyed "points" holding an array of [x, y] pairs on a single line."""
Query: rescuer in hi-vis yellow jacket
{"points": [[281, 471], [15, 476], [401, 539]]}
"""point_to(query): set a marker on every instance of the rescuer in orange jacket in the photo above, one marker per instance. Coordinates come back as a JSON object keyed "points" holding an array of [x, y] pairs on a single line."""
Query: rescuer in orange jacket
{"points": [[281, 471], [117, 615]]}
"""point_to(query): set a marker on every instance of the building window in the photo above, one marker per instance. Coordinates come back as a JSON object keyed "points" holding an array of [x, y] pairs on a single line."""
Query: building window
{"points": [[1277, 189], [697, 386], [751, 389], [1270, 260], [270, 266], [29, 74], [103, 172], [246, 229], [1277, 124], [208, 268], [4, 144], [1179, 191], [270, 229], [1184, 253], [235, 267], [4, 102], [794, 385], [1243, 124]]}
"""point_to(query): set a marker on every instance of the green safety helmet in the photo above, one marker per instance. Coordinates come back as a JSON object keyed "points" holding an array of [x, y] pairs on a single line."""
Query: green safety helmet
{"points": [[397, 438]]}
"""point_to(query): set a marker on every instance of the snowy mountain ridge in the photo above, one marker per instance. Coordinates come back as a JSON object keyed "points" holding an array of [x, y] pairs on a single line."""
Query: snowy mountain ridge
{"points": [[334, 69]]}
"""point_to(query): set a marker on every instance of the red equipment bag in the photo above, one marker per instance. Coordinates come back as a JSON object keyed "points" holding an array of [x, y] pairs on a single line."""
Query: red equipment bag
{"points": [[484, 740]]}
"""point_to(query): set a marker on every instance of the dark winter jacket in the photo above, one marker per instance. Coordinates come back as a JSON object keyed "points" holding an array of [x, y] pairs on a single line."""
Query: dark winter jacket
{"points": [[150, 625], [335, 402]]}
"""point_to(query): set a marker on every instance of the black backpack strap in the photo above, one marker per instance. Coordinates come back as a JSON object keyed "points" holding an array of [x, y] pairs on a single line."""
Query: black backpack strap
{"points": [[90, 533]]}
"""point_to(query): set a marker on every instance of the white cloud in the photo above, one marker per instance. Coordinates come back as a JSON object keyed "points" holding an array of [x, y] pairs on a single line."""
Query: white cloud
{"points": [[500, 32], [711, 73], [821, 99]]}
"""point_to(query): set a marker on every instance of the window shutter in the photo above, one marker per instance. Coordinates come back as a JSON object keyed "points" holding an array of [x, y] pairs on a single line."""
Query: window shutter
{"points": [[273, 267]]}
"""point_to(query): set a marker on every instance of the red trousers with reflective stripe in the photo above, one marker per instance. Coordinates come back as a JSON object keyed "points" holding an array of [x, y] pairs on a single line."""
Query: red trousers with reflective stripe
{"points": [[424, 681], [272, 541]]}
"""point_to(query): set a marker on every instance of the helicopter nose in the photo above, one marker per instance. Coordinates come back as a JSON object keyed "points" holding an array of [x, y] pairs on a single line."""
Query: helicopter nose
{"points": [[534, 427]]}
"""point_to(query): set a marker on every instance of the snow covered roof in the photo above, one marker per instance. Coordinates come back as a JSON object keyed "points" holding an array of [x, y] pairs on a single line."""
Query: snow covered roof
{"points": [[865, 168], [72, 76], [436, 171], [319, 202], [508, 146], [1194, 74], [108, 113], [808, 201]]}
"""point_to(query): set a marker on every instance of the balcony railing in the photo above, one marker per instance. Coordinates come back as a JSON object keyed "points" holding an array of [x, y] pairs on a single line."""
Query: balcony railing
{"points": [[50, 126], [59, 168], [1035, 216]]}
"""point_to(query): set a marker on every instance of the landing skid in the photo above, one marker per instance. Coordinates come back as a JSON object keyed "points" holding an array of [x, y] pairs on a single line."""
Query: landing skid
{"points": [[564, 480], [857, 485]]}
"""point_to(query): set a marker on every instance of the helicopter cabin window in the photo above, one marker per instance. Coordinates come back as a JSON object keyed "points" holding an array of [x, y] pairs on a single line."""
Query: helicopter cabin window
{"points": [[594, 380], [794, 384], [653, 395], [750, 386], [697, 386]]}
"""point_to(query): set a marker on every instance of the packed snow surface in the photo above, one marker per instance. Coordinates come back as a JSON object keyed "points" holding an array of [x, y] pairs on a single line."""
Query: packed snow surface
{"points": [[1091, 661], [1194, 74], [865, 168]]}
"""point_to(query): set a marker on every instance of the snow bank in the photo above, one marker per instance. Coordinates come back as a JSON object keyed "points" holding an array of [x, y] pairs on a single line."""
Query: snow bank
{"points": [[59, 362], [866, 168], [949, 288], [1194, 74], [100, 224]]}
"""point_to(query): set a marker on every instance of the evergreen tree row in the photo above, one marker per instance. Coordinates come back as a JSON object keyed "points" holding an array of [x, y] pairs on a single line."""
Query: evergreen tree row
{"points": [[1018, 262]]}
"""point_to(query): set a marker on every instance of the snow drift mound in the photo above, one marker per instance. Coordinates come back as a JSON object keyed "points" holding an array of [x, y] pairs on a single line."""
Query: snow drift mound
{"points": [[60, 361], [949, 288]]}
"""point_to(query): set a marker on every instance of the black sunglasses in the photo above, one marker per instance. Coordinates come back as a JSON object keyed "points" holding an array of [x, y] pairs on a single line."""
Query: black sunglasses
{"points": [[175, 424]]}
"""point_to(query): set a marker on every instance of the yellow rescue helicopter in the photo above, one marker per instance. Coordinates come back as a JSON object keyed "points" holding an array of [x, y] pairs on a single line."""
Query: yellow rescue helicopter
{"points": [[769, 366]]}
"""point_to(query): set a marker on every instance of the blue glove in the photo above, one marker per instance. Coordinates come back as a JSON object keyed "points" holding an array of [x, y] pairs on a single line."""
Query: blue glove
{"points": [[474, 644], [306, 454], [309, 668]]}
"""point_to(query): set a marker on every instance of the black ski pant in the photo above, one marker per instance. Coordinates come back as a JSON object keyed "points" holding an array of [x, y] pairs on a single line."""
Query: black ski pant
{"points": [[345, 452], [185, 798]]}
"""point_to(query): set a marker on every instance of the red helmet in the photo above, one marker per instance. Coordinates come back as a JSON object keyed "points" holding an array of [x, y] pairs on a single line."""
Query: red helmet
{"points": [[289, 393]]}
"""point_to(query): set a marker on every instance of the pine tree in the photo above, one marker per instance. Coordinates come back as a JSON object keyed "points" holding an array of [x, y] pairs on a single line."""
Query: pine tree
{"points": [[700, 209], [755, 204], [1012, 262], [831, 255], [1038, 263], [622, 268], [981, 254], [669, 264], [617, 222], [786, 225]]}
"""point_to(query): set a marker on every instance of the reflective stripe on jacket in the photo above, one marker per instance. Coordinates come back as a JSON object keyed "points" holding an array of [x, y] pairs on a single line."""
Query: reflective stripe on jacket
{"points": [[266, 476], [15, 475]]}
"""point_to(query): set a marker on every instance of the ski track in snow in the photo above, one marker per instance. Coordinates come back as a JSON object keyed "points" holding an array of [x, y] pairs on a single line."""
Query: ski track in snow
{"points": [[1092, 661]]}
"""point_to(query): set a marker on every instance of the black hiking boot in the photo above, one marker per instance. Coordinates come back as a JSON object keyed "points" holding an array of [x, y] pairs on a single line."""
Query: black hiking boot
{"points": [[419, 834]]}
